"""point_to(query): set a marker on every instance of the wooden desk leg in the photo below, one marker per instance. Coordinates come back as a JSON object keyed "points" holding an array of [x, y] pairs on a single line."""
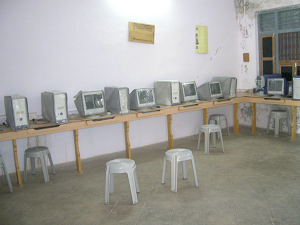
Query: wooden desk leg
{"points": [[77, 153], [253, 118], [205, 114], [294, 123], [18, 173], [236, 120], [170, 133], [127, 142]]}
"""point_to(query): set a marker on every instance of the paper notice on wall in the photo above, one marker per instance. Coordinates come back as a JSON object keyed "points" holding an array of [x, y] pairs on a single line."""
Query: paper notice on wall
{"points": [[201, 37], [139, 32]]}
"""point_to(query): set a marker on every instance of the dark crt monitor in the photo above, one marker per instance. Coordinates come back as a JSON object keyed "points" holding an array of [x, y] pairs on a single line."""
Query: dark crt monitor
{"points": [[142, 98], [188, 91], [277, 86], [90, 103], [16, 108], [296, 88], [263, 79], [215, 90], [228, 86]]}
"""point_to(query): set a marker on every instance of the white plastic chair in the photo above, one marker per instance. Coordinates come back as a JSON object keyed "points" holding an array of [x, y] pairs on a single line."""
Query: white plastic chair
{"points": [[218, 118], [2, 165], [210, 129], [175, 156], [38, 152], [278, 115], [121, 166]]}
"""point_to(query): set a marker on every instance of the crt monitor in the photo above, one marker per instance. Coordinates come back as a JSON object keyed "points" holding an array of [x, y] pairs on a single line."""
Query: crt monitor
{"points": [[142, 98], [188, 91], [262, 81], [54, 107], [117, 100], [16, 108], [210, 91], [277, 86], [296, 88], [167, 92], [228, 85], [90, 103]]}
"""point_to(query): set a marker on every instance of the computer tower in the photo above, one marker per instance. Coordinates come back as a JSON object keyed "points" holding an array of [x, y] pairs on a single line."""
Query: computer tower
{"points": [[16, 109], [167, 92], [296, 88], [54, 107], [117, 100]]}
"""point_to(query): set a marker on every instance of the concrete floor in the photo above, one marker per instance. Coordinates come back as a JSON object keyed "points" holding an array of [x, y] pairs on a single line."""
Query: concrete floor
{"points": [[256, 181]]}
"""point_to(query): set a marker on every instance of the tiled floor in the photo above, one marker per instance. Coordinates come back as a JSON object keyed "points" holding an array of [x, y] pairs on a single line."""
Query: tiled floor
{"points": [[256, 181]]}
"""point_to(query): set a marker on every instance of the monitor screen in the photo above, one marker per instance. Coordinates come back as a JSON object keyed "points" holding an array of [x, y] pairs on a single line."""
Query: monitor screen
{"points": [[275, 86], [145, 96], [215, 89], [142, 98], [93, 101], [188, 91], [90, 103]]}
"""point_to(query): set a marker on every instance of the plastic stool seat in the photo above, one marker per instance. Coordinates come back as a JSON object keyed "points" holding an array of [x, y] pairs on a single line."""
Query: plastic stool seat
{"points": [[278, 115], [121, 166], [218, 118], [38, 152], [208, 129], [2, 165], [175, 156]]}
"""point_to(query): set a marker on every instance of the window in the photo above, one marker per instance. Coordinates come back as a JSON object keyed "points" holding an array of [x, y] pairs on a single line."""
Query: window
{"points": [[279, 33]]}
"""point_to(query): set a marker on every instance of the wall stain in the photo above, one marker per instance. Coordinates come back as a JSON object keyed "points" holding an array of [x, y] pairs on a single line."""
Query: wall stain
{"points": [[215, 53]]}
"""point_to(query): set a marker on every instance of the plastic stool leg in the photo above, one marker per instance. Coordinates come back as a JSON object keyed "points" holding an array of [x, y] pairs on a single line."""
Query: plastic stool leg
{"points": [[51, 163], [222, 140], [213, 134], [227, 126], [183, 169], [164, 172], [199, 139], [194, 169], [277, 124], [107, 184], [7, 178], [32, 161], [136, 181], [25, 168], [111, 183], [206, 148], [269, 122], [218, 123], [174, 173], [44, 168], [132, 186]]}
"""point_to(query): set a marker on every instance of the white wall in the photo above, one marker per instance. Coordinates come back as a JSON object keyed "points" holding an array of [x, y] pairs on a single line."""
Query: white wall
{"points": [[246, 14], [73, 45]]}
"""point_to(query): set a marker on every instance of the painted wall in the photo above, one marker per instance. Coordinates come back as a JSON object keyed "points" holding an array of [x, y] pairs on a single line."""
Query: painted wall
{"points": [[246, 15], [73, 45]]}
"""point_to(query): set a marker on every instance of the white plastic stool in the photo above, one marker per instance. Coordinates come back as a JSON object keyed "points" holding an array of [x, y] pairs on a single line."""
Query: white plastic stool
{"points": [[218, 118], [2, 165], [207, 129], [278, 115], [175, 156], [121, 166], [38, 152]]}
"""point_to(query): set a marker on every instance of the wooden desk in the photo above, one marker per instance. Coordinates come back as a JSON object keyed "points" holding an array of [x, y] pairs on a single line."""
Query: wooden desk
{"points": [[82, 123]]}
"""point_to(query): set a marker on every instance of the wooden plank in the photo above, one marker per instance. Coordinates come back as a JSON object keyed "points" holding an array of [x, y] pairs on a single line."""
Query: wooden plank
{"points": [[294, 124], [170, 133], [18, 173], [127, 142], [236, 120], [77, 152]]}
